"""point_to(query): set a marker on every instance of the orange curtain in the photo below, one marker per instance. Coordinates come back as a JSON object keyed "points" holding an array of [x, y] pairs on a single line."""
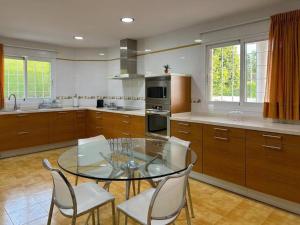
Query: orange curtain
{"points": [[282, 100], [1, 77]]}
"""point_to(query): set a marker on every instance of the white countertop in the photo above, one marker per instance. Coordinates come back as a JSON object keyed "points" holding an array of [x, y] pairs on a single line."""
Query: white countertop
{"points": [[245, 123], [138, 112]]}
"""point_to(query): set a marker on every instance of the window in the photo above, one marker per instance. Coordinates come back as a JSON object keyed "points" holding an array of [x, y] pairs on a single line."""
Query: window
{"points": [[231, 80], [27, 78], [225, 73], [256, 70]]}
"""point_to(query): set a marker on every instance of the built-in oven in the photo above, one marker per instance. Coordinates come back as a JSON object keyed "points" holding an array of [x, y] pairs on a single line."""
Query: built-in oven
{"points": [[158, 90], [158, 122]]}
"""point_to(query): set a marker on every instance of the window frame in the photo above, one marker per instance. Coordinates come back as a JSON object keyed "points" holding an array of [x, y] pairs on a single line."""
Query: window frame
{"points": [[243, 90], [26, 59]]}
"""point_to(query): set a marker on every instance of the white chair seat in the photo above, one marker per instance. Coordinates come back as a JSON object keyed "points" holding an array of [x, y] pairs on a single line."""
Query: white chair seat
{"points": [[138, 206], [88, 195]]}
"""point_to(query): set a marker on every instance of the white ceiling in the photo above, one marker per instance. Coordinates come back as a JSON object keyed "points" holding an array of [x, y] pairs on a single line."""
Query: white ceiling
{"points": [[98, 21]]}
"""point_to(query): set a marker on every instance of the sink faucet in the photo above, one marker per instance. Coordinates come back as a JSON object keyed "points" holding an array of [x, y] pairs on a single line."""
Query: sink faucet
{"points": [[15, 106]]}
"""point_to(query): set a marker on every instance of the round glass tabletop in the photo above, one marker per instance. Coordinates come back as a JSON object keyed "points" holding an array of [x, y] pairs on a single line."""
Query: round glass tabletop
{"points": [[127, 159]]}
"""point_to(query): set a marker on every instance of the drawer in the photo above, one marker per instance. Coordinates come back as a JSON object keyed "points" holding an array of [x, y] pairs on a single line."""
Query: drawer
{"points": [[223, 133], [186, 131]]}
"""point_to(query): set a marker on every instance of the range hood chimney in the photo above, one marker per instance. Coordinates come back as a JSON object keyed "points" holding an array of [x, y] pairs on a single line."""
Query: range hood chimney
{"points": [[128, 60]]}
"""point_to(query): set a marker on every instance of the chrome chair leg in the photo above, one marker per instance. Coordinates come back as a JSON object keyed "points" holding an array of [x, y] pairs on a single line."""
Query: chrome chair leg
{"points": [[190, 199], [50, 212], [93, 217], [98, 217], [73, 220], [113, 212], [187, 214], [139, 186], [76, 180]]}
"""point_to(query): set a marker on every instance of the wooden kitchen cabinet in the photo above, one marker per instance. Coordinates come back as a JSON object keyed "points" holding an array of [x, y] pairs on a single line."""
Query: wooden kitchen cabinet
{"points": [[8, 132], [273, 164], [94, 123], [80, 125], [190, 132], [129, 126], [224, 153], [32, 129], [62, 126]]}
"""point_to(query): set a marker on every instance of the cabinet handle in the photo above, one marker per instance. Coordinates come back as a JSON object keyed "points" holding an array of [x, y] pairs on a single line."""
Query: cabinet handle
{"points": [[124, 121], [99, 117], [125, 116], [21, 115], [272, 147], [98, 112], [184, 124], [23, 132], [99, 128], [272, 136], [62, 112], [221, 138], [220, 129], [183, 132], [125, 134]]}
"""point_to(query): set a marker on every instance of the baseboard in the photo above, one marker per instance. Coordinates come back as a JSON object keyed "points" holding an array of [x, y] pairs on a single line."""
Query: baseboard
{"points": [[40, 148], [250, 193]]}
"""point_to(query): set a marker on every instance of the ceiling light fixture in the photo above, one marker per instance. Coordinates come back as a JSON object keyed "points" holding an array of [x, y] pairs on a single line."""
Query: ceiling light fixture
{"points": [[127, 19], [101, 54], [198, 41], [78, 38]]}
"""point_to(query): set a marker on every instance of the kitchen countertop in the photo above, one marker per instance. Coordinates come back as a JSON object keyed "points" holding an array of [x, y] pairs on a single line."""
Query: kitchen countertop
{"points": [[244, 122], [138, 112]]}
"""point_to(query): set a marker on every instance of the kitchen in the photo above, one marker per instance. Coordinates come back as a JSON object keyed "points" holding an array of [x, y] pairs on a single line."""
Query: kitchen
{"points": [[205, 84]]}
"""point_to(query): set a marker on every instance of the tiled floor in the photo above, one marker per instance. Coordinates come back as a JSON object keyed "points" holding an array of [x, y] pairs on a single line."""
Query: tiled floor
{"points": [[25, 192]]}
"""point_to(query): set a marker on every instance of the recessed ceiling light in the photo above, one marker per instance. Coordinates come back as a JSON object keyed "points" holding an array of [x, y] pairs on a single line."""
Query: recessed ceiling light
{"points": [[127, 20], [147, 50], [101, 54], [78, 38], [198, 41]]}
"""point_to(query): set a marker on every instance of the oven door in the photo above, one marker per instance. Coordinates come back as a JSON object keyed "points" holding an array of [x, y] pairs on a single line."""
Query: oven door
{"points": [[158, 124]]}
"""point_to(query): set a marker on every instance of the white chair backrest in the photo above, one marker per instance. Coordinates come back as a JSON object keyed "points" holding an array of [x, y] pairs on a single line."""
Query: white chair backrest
{"points": [[180, 141], [169, 197], [91, 139], [91, 145], [63, 190], [179, 150]]}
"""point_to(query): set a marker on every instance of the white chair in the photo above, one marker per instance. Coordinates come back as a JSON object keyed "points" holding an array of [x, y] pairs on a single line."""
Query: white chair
{"points": [[179, 160], [85, 161], [75, 201], [159, 206]]}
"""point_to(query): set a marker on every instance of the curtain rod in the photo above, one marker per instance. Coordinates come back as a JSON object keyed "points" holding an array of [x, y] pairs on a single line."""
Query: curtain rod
{"points": [[236, 25], [29, 48]]}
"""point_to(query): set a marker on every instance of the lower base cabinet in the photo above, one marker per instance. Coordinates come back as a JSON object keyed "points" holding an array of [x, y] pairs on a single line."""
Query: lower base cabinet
{"points": [[273, 164], [224, 153]]}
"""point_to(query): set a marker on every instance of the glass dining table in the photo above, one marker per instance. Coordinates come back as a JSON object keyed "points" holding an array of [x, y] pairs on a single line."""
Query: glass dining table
{"points": [[126, 159]]}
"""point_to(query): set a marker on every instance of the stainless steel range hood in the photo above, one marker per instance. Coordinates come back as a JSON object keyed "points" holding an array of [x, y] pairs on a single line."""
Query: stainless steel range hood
{"points": [[128, 61]]}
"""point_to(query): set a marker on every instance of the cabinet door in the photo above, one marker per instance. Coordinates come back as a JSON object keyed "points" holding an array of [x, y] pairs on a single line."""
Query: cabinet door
{"points": [[190, 132], [62, 126], [224, 153], [94, 124], [32, 129], [8, 132], [80, 131], [137, 126], [273, 164]]}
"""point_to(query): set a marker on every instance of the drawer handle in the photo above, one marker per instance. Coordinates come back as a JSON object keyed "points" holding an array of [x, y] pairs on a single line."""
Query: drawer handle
{"points": [[125, 116], [125, 134], [124, 121], [220, 129], [184, 124], [272, 136], [221, 138], [183, 132], [62, 112], [23, 132], [272, 147], [99, 127], [22, 115], [99, 117]]}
